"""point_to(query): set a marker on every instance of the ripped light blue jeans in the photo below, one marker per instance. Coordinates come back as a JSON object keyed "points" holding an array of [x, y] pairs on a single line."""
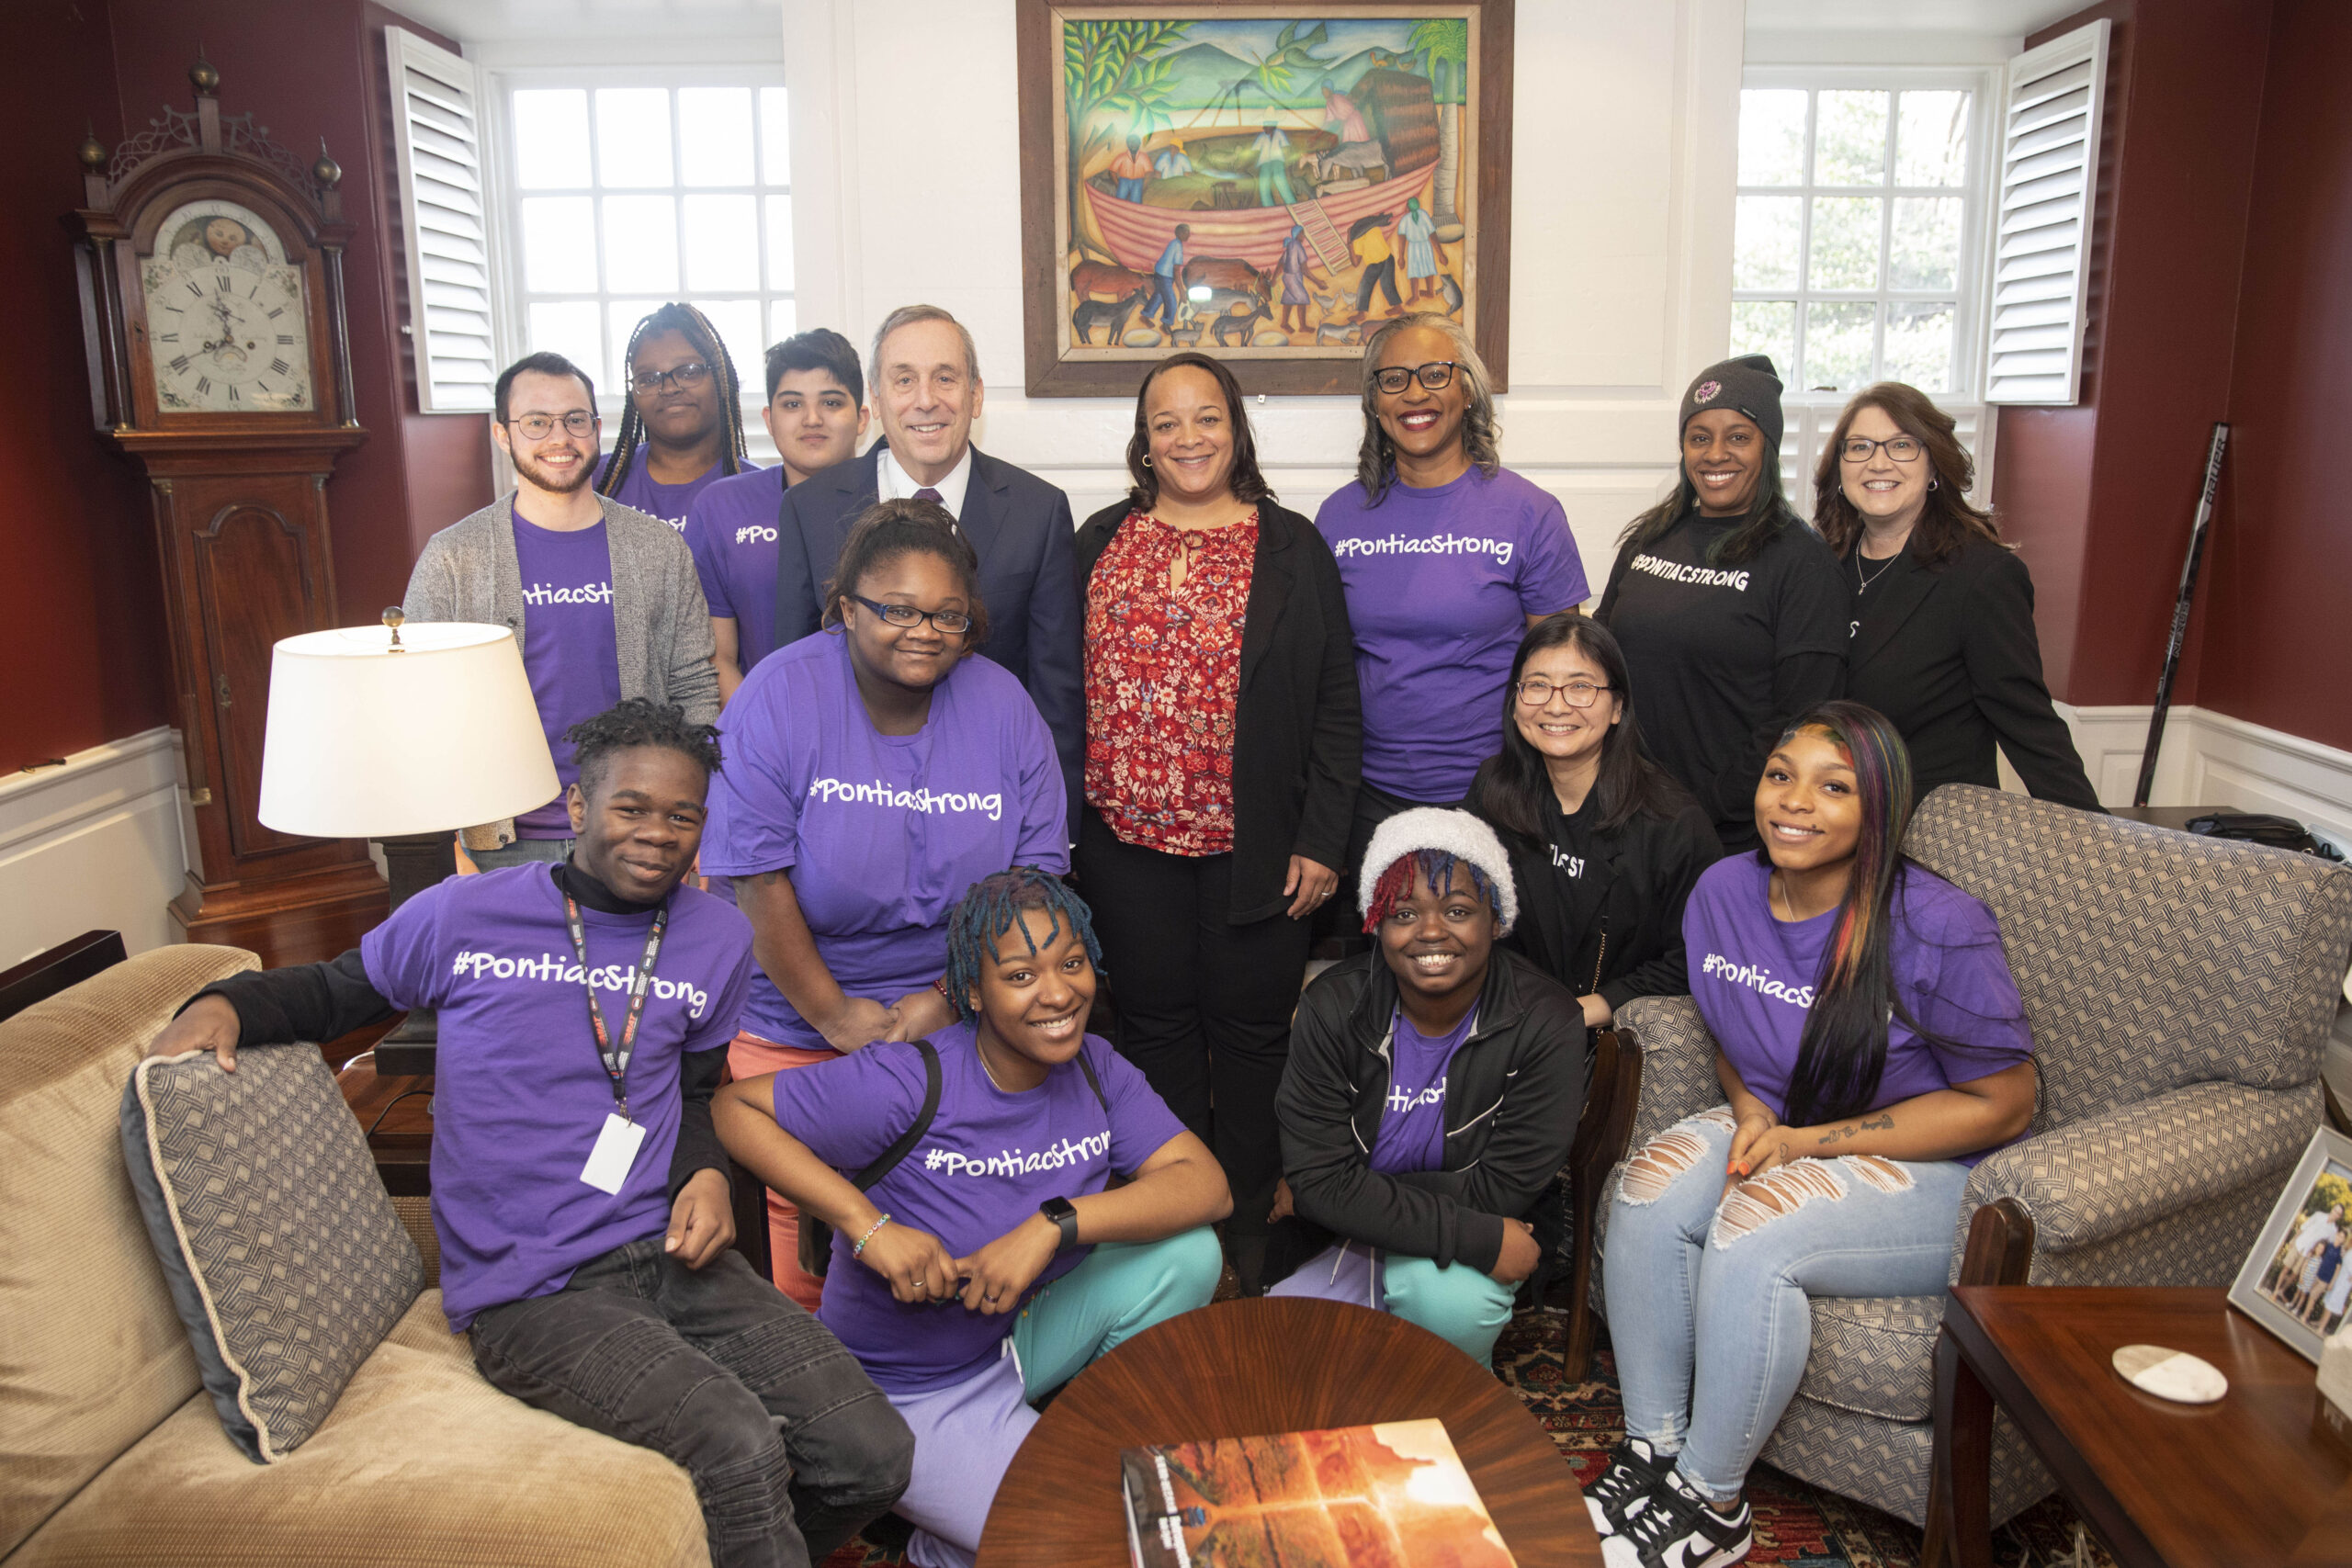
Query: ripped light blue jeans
{"points": [[1708, 1294]]}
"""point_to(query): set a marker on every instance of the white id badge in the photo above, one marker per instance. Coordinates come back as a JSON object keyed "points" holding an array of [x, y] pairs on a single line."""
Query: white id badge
{"points": [[615, 1151]]}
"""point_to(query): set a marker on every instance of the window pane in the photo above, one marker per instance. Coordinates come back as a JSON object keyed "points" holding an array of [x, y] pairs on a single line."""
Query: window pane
{"points": [[570, 330], [722, 241], [715, 135], [1838, 345], [783, 321], [1766, 326], [776, 136], [1845, 242], [1764, 241], [779, 241], [1931, 140], [1771, 136], [622, 316], [1848, 138], [641, 242], [737, 322], [633, 136], [552, 139], [559, 244], [1925, 250], [1918, 345]]}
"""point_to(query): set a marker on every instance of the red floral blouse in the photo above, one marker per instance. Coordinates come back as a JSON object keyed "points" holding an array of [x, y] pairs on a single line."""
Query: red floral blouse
{"points": [[1163, 668]]}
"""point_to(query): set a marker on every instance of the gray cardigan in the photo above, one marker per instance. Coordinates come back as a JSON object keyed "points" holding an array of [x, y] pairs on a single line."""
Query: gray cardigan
{"points": [[660, 621]]}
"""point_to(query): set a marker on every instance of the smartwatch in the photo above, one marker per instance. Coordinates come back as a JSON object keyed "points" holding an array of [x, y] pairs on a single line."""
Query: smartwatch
{"points": [[1064, 1215]]}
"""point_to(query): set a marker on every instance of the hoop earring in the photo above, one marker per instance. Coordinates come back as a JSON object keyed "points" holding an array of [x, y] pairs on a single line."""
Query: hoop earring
{"points": [[1146, 459], [1932, 481]]}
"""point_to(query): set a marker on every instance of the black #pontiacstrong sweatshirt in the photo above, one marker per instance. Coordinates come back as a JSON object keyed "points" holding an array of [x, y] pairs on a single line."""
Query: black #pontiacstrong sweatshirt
{"points": [[1513, 1093]]}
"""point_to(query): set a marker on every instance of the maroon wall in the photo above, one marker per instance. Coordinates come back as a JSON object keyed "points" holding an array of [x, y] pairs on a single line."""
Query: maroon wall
{"points": [[2275, 580], [81, 617], [80, 601], [2100, 496]]}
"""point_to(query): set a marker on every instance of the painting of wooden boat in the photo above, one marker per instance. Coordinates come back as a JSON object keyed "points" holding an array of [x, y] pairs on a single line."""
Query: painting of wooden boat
{"points": [[1139, 234]]}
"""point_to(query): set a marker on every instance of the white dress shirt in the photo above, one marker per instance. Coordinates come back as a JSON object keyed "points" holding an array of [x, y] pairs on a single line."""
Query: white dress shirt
{"points": [[894, 483]]}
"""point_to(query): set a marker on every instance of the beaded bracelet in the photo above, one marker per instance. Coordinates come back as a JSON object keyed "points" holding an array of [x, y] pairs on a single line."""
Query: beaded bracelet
{"points": [[859, 1250], [940, 984]]}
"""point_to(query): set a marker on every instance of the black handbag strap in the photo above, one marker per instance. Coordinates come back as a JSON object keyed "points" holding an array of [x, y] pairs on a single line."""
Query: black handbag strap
{"points": [[1091, 1081], [887, 1160]]}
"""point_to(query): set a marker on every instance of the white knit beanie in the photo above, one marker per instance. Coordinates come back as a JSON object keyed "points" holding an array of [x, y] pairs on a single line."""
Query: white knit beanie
{"points": [[1458, 833]]}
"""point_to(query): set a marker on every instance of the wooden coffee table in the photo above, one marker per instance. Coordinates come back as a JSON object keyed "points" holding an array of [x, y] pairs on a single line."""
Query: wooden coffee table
{"points": [[2261, 1477], [1248, 1368]]}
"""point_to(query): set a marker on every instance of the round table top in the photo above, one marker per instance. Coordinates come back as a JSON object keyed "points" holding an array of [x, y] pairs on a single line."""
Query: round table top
{"points": [[1252, 1368]]}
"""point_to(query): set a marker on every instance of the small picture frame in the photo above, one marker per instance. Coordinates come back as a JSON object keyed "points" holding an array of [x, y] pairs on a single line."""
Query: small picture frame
{"points": [[2297, 1282]]}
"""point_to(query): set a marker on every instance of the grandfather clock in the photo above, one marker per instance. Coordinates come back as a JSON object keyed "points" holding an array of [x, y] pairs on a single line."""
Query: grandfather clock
{"points": [[211, 281]]}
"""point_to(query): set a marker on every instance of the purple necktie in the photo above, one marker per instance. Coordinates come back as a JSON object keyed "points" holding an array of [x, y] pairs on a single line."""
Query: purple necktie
{"points": [[927, 494]]}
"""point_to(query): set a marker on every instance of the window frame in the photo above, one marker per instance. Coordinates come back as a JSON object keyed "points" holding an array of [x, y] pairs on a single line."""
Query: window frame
{"points": [[502, 81], [1810, 415]]}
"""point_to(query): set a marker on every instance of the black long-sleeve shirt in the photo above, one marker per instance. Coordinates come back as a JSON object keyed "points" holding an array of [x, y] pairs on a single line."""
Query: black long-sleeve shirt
{"points": [[323, 1001]]}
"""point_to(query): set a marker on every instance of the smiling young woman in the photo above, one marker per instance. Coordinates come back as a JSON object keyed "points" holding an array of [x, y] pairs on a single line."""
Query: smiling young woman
{"points": [[684, 425], [1731, 611], [1217, 806], [1943, 641]]}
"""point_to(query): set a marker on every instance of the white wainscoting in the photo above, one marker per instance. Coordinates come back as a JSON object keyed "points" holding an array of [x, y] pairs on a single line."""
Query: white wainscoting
{"points": [[95, 845], [2211, 759]]}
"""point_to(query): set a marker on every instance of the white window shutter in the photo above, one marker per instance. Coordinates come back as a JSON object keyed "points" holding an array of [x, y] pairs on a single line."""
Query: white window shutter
{"points": [[437, 128], [2041, 226]]}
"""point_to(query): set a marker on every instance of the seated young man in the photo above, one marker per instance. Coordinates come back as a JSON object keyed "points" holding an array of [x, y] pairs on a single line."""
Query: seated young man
{"points": [[579, 1191], [990, 1265], [1434, 1089]]}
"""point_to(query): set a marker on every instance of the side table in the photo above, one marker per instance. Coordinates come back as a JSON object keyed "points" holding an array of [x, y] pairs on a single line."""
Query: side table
{"points": [[1276, 1364], [2253, 1479]]}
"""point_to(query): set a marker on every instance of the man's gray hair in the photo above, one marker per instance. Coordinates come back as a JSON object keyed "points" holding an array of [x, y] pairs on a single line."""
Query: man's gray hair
{"points": [[907, 316]]}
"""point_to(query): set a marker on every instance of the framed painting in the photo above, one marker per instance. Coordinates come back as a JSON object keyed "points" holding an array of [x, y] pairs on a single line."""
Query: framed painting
{"points": [[1263, 182]]}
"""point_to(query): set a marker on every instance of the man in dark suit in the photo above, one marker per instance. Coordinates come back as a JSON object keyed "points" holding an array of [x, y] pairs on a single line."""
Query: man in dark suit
{"points": [[926, 386]]}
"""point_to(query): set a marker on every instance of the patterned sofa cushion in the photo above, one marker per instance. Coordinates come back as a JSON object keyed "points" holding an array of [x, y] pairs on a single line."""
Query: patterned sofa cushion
{"points": [[1874, 1354], [286, 1261], [2148, 959]]}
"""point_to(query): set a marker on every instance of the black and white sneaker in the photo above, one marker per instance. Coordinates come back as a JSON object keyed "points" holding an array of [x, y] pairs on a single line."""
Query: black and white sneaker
{"points": [[1675, 1529], [1634, 1469]]}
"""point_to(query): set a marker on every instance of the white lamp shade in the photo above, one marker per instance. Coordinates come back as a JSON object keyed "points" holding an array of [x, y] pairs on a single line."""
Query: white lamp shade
{"points": [[365, 742]]}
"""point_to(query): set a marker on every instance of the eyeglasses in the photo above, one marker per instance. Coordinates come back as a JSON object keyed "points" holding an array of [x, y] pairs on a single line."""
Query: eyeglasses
{"points": [[1437, 374], [537, 426], [1901, 448], [685, 378], [1535, 691], [951, 622]]}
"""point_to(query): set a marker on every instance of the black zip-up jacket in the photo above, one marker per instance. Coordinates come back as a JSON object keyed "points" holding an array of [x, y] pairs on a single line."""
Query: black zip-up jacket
{"points": [[1298, 717], [1512, 1097]]}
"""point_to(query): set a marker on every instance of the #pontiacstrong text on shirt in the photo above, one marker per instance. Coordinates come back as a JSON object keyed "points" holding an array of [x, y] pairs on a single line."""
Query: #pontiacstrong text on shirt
{"points": [[570, 650]]}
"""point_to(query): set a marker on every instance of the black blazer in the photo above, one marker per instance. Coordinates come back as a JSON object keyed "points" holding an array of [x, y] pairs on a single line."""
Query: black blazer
{"points": [[1949, 655], [1019, 527], [1298, 720]]}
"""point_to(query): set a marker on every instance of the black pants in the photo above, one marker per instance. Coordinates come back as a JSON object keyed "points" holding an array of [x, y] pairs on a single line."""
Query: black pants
{"points": [[1204, 1005], [1381, 275], [790, 1444]]}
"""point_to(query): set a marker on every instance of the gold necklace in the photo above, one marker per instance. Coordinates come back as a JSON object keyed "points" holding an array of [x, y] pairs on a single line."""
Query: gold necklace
{"points": [[982, 1052]]}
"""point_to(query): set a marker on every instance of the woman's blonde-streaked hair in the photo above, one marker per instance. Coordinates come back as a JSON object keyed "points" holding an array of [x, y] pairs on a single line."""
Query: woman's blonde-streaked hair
{"points": [[1376, 459], [1949, 520]]}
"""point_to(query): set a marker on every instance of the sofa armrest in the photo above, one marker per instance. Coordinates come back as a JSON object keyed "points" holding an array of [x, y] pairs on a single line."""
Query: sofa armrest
{"points": [[2109, 1175], [1677, 1059]]}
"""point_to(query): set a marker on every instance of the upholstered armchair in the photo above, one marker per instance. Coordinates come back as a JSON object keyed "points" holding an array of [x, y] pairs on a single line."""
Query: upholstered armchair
{"points": [[2179, 989]]}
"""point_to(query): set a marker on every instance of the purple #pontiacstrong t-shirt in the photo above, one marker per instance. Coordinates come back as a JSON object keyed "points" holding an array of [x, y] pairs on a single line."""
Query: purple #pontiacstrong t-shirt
{"points": [[1412, 1122], [882, 833], [569, 650], [1440, 584], [520, 1092], [1753, 979], [732, 529], [671, 504], [988, 1160]]}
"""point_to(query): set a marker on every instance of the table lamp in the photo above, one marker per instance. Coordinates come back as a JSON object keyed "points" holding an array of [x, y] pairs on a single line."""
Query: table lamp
{"points": [[402, 734]]}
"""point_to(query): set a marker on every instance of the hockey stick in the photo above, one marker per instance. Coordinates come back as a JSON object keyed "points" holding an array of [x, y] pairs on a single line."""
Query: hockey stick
{"points": [[2189, 570]]}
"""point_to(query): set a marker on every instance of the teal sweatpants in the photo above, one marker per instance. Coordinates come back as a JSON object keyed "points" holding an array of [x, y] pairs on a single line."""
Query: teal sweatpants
{"points": [[967, 1434], [1465, 1308]]}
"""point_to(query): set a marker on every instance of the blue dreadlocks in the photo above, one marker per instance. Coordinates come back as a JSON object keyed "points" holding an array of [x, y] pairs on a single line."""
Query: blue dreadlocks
{"points": [[992, 907]]}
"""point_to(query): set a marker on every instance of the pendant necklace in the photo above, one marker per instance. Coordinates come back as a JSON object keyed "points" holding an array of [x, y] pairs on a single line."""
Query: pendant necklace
{"points": [[1863, 583]]}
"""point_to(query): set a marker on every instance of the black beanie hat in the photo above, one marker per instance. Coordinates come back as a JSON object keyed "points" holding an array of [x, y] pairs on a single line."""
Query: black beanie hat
{"points": [[1748, 383]]}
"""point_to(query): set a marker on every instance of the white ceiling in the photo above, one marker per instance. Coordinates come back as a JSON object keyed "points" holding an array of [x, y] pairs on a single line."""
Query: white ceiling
{"points": [[554, 21], [2010, 18]]}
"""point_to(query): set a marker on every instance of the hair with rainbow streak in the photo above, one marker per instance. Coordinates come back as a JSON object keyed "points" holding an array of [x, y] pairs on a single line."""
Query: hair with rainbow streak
{"points": [[1843, 1053]]}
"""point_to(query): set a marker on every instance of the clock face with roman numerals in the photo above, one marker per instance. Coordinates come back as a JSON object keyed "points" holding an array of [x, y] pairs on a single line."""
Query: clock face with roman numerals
{"points": [[227, 330]]}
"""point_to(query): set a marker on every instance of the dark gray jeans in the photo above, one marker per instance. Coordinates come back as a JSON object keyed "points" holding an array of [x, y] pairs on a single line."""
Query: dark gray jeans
{"points": [[790, 1446]]}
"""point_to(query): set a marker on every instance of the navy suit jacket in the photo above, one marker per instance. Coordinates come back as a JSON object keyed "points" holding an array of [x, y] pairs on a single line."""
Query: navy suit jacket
{"points": [[1021, 528]]}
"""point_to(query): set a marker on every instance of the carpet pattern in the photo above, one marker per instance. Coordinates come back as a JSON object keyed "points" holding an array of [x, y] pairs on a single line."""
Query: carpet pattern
{"points": [[1797, 1526]]}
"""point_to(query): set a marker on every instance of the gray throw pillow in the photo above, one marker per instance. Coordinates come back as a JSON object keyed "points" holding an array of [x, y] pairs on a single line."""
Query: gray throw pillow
{"points": [[286, 1261]]}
